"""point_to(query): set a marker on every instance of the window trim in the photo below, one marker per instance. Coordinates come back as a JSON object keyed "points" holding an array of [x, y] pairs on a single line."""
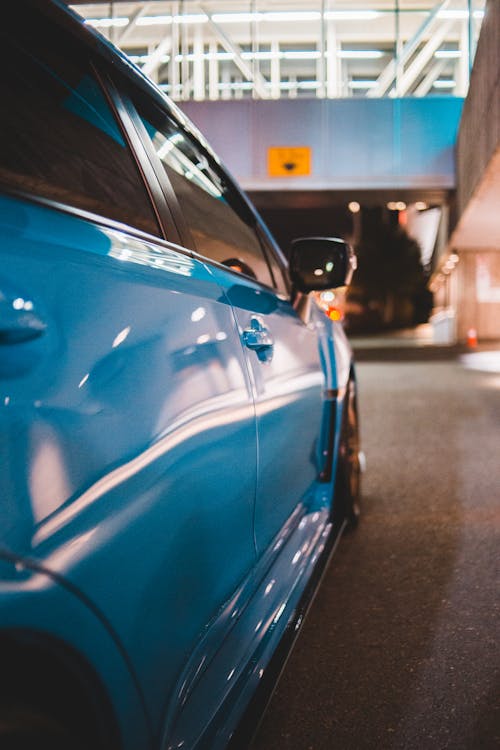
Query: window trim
{"points": [[267, 245], [156, 167], [166, 220]]}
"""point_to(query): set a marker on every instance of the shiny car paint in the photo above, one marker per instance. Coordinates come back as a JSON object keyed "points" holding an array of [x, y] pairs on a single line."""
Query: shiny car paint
{"points": [[163, 500]]}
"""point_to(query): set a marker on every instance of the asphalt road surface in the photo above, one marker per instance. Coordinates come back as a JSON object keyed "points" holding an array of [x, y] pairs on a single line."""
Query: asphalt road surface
{"points": [[401, 648]]}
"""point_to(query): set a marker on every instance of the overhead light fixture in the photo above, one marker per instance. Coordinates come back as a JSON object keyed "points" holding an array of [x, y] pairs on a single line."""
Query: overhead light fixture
{"points": [[292, 15], [191, 18], [153, 21], [351, 15], [460, 15], [312, 85], [185, 18], [236, 85], [354, 207], [441, 83], [106, 23], [302, 55], [360, 54], [236, 17], [421, 205], [362, 84], [221, 55], [447, 54], [261, 55], [141, 59], [271, 16]]}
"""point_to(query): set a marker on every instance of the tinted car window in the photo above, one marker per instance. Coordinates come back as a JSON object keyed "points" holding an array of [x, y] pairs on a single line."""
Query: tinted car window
{"points": [[58, 137], [276, 268], [222, 227]]}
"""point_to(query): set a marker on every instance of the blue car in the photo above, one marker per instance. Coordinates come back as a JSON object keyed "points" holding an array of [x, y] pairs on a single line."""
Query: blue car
{"points": [[178, 426]]}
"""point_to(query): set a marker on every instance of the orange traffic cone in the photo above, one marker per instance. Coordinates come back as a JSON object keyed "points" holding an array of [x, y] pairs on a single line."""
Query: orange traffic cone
{"points": [[472, 338]]}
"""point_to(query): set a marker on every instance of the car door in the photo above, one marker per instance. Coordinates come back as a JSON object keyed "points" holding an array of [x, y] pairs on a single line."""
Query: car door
{"points": [[281, 349], [123, 387], [289, 383]]}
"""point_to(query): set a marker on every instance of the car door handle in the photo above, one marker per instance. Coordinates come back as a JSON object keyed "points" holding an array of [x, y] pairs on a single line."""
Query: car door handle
{"points": [[258, 338], [19, 321]]}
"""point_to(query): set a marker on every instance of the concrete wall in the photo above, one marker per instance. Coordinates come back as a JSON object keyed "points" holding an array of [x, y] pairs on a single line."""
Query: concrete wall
{"points": [[479, 133], [356, 143], [476, 237], [477, 301]]}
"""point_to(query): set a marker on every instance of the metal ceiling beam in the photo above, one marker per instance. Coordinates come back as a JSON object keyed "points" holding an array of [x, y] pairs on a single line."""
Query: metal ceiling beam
{"points": [[388, 75], [151, 66], [426, 53], [234, 49], [132, 21], [425, 86]]}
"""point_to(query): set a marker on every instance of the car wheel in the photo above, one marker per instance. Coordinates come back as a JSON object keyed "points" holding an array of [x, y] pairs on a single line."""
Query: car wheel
{"points": [[348, 479], [24, 728]]}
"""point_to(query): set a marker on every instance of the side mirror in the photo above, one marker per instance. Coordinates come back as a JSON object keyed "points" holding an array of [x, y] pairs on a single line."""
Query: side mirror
{"points": [[318, 263]]}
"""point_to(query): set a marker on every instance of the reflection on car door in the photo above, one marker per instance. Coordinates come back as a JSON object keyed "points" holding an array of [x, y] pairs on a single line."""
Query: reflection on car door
{"points": [[288, 387], [286, 372]]}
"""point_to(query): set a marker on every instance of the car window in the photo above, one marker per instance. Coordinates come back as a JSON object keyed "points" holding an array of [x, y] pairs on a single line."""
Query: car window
{"points": [[222, 226], [276, 268], [58, 136]]}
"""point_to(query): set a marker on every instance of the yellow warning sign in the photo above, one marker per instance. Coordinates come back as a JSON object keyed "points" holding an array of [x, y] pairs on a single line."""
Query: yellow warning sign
{"points": [[288, 161]]}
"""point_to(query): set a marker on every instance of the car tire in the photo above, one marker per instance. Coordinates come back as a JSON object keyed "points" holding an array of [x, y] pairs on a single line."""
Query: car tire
{"points": [[25, 728], [348, 477]]}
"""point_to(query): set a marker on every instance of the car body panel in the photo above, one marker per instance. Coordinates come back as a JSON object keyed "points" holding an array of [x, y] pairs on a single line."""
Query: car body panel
{"points": [[117, 450], [288, 386], [259, 618], [33, 602]]}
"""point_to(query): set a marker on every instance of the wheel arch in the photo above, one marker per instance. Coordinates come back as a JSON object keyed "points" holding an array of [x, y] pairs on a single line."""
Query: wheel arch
{"points": [[45, 674]]}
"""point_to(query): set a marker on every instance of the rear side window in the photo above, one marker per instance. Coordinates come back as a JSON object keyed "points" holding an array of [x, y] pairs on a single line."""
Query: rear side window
{"points": [[58, 136], [222, 226]]}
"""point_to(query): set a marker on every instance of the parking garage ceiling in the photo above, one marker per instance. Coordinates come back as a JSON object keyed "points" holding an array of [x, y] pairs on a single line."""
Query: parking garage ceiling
{"points": [[288, 48]]}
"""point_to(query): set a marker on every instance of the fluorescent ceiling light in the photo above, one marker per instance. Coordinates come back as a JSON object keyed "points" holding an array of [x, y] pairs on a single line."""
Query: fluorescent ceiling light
{"points": [[447, 54], [285, 15], [220, 55], [351, 15], [166, 20], [360, 54], [236, 17], [362, 84], [141, 59], [238, 85], [308, 85], [261, 55], [443, 84], [459, 14], [153, 20], [191, 18], [292, 15], [302, 55], [106, 23]]}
